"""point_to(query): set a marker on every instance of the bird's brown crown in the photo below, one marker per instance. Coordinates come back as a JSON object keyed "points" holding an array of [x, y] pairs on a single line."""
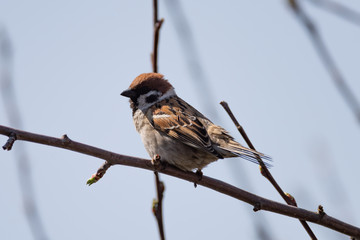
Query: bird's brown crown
{"points": [[155, 81]]}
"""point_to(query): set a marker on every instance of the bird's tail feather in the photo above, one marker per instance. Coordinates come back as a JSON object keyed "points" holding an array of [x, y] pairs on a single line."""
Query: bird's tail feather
{"points": [[247, 154]]}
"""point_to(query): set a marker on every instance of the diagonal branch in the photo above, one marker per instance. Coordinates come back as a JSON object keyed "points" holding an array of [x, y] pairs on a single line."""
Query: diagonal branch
{"points": [[326, 58], [290, 200], [339, 10], [258, 202]]}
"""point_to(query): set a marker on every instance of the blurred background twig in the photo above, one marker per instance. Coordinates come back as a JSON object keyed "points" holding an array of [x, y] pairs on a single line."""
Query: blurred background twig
{"points": [[22, 158], [324, 54], [191, 56], [339, 9]]}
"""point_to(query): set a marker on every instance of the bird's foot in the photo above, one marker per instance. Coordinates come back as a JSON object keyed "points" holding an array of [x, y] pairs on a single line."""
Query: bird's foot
{"points": [[199, 174], [157, 163], [156, 160]]}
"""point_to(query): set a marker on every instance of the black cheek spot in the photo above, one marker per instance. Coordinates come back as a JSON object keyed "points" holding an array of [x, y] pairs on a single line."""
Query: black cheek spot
{"points": [[152, 98]]}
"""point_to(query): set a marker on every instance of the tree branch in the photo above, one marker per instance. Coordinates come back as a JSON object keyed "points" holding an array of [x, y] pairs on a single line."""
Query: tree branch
{"points": [[22, 157], [157, 203], [217, 185], [157, 25], [326, 58], [338, 9], [290, 200]]}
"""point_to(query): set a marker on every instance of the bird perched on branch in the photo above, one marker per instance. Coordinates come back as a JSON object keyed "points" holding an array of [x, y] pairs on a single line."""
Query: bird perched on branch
{"points": [[174, 130]]}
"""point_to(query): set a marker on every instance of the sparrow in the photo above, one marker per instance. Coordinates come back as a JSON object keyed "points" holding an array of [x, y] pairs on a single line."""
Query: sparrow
{"points": [[174, 130]]}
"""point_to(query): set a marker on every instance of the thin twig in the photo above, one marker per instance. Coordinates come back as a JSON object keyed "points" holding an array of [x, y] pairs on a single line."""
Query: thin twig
{"points": [[157, 25], [326, 58], [157, 204], [264, 170], [7, 90], [99, 174], [340, 10], [190, 51], [217, 185], [10, 142]]}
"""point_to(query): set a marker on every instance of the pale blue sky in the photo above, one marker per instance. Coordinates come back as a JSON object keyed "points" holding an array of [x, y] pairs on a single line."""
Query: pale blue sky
{"points": [[73, 58]]}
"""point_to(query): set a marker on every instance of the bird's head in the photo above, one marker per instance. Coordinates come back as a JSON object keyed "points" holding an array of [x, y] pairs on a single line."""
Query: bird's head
{"points": [[148, 89]]}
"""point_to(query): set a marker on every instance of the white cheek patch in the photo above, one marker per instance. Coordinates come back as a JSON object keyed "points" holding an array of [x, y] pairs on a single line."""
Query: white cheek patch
{"points": [[142, 103], [169, 93]]}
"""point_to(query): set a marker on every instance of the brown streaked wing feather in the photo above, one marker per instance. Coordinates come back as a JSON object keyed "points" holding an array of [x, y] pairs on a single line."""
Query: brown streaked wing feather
{"points": [[179, 122]]}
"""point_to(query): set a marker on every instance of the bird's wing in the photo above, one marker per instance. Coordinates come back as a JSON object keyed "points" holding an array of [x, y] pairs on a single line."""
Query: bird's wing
{"points": [[177, 119], [224, 141]]}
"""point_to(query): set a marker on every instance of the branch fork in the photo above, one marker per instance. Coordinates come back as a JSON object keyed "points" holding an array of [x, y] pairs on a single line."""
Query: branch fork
{"points": [[10, 142]]}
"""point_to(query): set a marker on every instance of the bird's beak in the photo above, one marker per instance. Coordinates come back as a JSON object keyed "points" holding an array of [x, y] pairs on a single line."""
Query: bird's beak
{"points": [[128, 93]]}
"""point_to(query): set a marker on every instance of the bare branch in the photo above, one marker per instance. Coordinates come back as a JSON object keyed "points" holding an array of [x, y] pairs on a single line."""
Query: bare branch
{"points": [[157, 204], [7, 90], [325, 56], [99, 174], [217, 185], [339, 10], [9, 143], [290, 200], [157, 25]]}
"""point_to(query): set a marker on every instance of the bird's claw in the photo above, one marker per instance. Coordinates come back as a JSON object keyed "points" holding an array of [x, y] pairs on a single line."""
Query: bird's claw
{"points": [[157, 163], [156, 160], [199, 174]]}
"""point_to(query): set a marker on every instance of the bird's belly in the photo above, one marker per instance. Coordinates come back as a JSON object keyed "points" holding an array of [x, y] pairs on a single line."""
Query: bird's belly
{"points": [[176, 153], [173, 151]]}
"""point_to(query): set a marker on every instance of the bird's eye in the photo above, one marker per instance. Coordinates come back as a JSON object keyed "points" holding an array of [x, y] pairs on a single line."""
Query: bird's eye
{"points": [[152, 98], [143, 90]]}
